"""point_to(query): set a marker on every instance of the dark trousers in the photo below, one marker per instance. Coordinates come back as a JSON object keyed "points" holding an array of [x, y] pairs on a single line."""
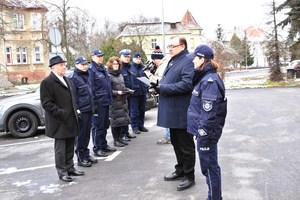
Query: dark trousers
{"points": [[83, 139], [184, 148], [125, 129], [100, 124], [116, 132], [64, 152], [210, 168], [137, 111]]}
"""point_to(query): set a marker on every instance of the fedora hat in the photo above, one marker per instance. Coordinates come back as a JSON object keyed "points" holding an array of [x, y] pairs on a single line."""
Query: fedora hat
{"points": [[55, 60]]}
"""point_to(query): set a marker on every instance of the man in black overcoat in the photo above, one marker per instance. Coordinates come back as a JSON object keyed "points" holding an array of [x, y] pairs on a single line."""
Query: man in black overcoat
{"points": [[61, 118]]}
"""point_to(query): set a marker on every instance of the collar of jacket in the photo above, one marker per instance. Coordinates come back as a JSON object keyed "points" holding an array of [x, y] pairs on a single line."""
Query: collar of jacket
{"points": [[79, 71], [137, 65], [199, 74], [98, 67], [180, 55], [114, 72], [126, 65]]}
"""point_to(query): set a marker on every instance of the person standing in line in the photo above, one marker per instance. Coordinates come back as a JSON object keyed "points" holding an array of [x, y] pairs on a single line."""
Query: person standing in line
{"points": [[61, 118], [125, 58], [206, 116], [118, 111], [138, 98], [84, 101], [102, 97], [174, 91]]}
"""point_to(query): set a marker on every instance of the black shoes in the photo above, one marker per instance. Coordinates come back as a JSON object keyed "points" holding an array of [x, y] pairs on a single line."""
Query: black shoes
{"points": [[92, 160], [123, 141], [66, 178], [131, 136], [136, 131], [126, 139], [75, 173], [173, 177], [118, 144], [143, 129], [100, 153], [109, 149], [185, 184], [84, 163]]}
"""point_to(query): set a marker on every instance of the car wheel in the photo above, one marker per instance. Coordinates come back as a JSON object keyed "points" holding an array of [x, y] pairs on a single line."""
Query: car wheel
{"points": [[23, 124]]}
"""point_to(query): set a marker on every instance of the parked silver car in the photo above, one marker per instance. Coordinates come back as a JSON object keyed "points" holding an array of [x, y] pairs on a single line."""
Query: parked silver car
{"points": [[21, 115]]}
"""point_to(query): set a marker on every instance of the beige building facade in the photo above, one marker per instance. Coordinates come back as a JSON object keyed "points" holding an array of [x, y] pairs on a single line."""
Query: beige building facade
{"points": [[23, 40], [150, 34]]}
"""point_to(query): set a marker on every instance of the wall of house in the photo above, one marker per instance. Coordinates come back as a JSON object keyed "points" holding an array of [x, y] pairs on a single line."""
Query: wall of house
{"points": [[28, 47]]}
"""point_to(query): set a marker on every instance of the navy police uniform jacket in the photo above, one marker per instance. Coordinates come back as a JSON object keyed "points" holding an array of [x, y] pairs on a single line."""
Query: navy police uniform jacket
{"points": [[175, 92], [82, 90], [138, 86], [208, 106], [127, 75], [101, 84]]}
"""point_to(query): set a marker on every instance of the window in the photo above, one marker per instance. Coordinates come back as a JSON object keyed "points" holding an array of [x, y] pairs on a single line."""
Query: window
{"points": [[19, 21], [18, 50], [21, 55], [24, 55], [37, 54], [153, 43], [8, 55], [35, 21]]}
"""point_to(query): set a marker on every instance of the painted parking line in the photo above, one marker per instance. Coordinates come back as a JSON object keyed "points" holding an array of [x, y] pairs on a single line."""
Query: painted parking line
{"points": [[12, 170], [21, 143]]}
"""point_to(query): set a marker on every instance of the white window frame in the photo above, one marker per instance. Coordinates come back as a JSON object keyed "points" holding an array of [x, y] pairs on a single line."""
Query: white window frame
{"points": [[153, 43], [18, 55], [21, 54], [8, 55], [35, 21], [37, 54], [24, 55], [19, 21]]}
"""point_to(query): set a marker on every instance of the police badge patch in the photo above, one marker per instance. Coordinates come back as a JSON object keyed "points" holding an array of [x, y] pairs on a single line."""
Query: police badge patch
{"points": [[207, 105]]}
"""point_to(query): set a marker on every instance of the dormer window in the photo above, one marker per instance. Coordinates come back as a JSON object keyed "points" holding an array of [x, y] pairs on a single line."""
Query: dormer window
{"points": [[173, 25]]}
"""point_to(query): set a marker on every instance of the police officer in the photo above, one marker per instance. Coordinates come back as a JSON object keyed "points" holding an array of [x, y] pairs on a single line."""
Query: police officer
{"points": [[102, 96], [206, 116], [138, 99], [125, 55], [84, 102]]}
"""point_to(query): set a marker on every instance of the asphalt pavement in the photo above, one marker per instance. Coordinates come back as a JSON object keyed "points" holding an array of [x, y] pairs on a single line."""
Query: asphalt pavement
{"points": [[258, 153]]}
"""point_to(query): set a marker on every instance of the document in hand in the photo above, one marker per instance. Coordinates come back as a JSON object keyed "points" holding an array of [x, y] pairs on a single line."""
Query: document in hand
{"points": [[144, 80]]}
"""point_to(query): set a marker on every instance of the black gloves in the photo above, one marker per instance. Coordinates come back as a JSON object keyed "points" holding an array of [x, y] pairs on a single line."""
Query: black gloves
{"points": [[155, 87]]}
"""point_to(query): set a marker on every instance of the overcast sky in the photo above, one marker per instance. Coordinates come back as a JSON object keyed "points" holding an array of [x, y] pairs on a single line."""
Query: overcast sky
{"points": [[208, 13]]}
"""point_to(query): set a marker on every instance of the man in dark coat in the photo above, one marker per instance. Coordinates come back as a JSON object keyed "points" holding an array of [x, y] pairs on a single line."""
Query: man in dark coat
{"points": [[61, 118], [175, 90]]}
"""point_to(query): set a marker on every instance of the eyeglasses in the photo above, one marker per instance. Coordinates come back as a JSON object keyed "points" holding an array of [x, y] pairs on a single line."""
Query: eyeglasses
{"points": [[171, 46]]}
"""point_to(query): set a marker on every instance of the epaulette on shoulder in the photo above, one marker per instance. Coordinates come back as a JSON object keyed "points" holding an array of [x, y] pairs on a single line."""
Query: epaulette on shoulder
{"points": [[210, 80]]}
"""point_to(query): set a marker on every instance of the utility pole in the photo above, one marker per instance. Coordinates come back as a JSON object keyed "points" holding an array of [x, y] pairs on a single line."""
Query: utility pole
{"points": [[163, 25]]}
